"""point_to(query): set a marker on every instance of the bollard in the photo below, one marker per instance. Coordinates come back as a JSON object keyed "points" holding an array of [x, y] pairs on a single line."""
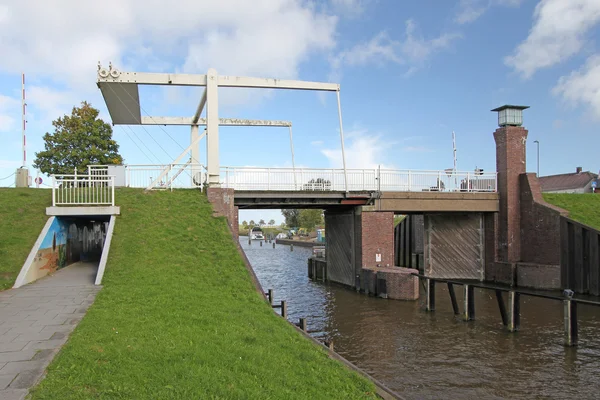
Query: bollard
{"points": [[570, 313], [283, 308], [469, 310], [303, 324], [514, 317], [430, 287], [291, 247]]}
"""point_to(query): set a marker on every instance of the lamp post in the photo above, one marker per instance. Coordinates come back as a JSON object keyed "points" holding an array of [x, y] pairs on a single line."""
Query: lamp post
{"points": [[538, 157]]}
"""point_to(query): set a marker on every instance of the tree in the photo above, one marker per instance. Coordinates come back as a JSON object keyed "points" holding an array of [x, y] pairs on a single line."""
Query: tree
{"points": [[244, 223], [272, 222], [79, 140], [310, 218], [291, 217], [261, 222], [252, 223]]}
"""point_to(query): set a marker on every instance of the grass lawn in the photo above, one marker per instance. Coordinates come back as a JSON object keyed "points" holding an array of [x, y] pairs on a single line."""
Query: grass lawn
{"points": [[584, 208], [178, 318], [22, 217]]}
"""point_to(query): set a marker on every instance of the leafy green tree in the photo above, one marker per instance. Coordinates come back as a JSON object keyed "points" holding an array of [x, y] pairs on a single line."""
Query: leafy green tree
{"points": [[261, 222], [310, 218], [79, 140], [291, 217], [252, 223], [272, 222], [244, 223]]}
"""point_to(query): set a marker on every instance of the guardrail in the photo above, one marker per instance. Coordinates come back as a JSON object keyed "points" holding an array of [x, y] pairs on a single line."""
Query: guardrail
{"points": [[91, 190], [311, 179], [185, 175]]}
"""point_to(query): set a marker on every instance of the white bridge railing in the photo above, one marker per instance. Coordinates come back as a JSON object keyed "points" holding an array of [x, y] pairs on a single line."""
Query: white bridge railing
{"points": [[89, 190], [309, 179], [298, 179]]}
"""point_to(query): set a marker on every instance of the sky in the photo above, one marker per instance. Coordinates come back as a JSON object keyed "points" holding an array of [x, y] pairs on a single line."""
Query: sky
{"points": [[411, 73]]}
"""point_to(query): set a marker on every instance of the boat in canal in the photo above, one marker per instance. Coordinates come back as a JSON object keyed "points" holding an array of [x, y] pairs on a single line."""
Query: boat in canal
{"points": [[256, 233]]}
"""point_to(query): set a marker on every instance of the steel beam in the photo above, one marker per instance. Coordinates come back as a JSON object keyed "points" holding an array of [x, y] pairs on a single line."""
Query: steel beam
{"points": [[202, 121], [200, 108], [152, 78]]}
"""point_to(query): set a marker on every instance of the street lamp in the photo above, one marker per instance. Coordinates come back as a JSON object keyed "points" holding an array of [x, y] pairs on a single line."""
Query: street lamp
{"points": [[538, 157]]}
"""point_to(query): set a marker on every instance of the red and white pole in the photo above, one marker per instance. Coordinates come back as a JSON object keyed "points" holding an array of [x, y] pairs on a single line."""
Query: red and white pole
{"points": [[24, 119]]}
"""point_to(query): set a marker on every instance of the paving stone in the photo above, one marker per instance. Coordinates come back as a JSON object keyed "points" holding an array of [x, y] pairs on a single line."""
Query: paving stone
{"points": [[28, 337], [19, 366], [26, 379], [11, 346], [5, 380], [35, 321], [13, 394], [45, 344], [17, 356]]}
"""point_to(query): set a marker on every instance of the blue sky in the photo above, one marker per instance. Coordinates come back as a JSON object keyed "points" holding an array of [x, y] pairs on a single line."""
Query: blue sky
{"points": [[411, 72]]}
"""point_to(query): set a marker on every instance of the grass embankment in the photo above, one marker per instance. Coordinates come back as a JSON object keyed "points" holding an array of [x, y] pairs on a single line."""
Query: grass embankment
{"points": [[584, 208], [22, 217], [178, 317], [266, 231]]}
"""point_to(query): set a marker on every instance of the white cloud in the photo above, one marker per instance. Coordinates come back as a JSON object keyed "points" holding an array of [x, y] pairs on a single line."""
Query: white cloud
{"points": [[470, 10], [317, 143], [582, 86], [381, 49], [559, 32], [60, 42], [363, 150], [9, 109]]}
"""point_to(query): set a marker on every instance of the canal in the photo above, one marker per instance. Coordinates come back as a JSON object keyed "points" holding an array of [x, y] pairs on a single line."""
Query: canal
{"points": [[436, 355]]}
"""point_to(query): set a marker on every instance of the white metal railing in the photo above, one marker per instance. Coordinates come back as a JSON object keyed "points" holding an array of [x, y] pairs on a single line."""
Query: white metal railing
{"points": [[177, 175], [311, 179], [89, 190]]}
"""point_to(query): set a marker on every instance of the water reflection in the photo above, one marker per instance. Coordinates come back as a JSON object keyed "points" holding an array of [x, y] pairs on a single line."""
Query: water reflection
{"points": [[436, 355]]}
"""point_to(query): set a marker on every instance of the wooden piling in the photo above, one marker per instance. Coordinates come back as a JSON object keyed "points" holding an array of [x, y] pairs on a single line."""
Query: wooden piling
{"points": [[469, 303], [270, 296], [570, 316], [261, 243], [303, 324], [514, 304], [292, 247], [501, 307], [430, 287], [453, 299], [273, 244], [283, 308]]}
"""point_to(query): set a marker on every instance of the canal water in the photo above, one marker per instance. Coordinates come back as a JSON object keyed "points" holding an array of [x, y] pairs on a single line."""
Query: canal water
{"points": [[436, 355]]}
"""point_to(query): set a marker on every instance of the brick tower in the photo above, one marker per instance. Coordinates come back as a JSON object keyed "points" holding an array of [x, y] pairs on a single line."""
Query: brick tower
{"points": [[511, 140]]}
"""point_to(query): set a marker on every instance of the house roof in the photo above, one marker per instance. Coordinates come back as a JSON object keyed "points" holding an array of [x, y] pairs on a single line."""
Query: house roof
{"points": [[566, 181]]}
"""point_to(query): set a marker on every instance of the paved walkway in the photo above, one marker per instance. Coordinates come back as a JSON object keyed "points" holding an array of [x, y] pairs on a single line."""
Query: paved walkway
{"points": [[36, 320]]}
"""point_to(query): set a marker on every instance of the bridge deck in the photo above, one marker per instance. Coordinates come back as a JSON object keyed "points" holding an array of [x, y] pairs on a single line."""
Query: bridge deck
{"points": [[399, 202]]}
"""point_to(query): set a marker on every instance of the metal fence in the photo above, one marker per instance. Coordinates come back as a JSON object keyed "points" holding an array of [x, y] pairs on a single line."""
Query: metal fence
{"points": [[310, 179], [89, 190]]}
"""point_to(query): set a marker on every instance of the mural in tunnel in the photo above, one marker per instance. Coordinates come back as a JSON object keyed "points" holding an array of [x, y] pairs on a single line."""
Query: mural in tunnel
{"points": [[68, 240]]}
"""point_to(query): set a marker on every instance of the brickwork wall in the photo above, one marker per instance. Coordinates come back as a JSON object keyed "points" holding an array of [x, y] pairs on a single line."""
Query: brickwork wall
{"points": [[377, 237], [510, 163], [540, 224], [400, 284], [223, 206]]}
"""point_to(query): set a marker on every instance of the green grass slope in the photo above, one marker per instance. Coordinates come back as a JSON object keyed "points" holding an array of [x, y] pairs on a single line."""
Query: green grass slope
{"points": [[22, 217], [584, 208], [178, 318]]}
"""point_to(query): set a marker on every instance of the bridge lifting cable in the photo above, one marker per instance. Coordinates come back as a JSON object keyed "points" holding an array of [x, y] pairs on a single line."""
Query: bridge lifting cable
{"points": [[153, 120], [144, 144], [136, 145], [133, 115]]}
